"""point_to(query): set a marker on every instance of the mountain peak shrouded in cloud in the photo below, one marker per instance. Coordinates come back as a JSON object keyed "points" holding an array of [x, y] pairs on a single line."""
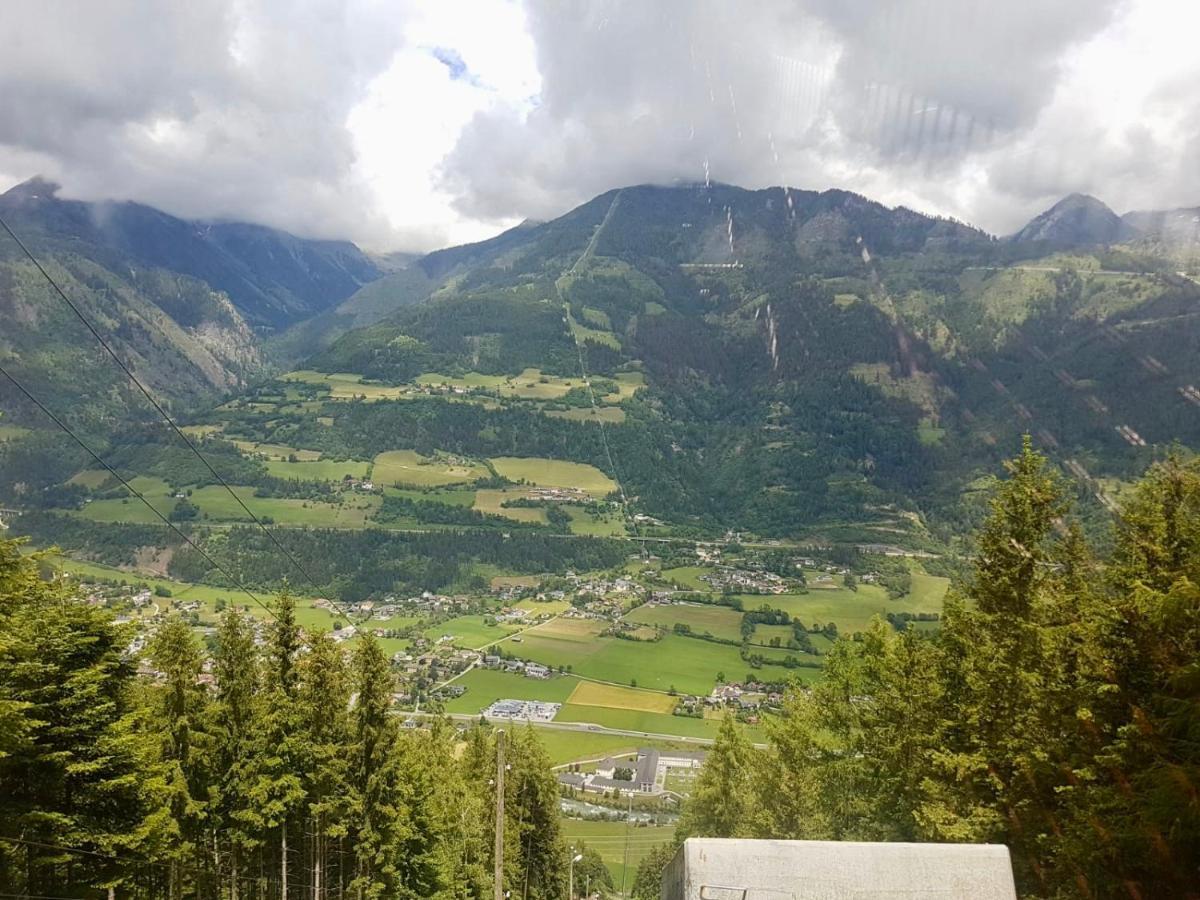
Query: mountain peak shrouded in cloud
{"points": [[415, 126], [272, 277]]}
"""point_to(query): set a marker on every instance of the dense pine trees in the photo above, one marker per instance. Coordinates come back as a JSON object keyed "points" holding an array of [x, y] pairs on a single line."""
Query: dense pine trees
{"points": [[284, 775], [1057, 711]]}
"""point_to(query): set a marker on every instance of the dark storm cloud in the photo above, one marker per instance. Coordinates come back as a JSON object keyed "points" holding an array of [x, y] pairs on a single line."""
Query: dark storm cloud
{"points": [[209, 109], [894, 98]]}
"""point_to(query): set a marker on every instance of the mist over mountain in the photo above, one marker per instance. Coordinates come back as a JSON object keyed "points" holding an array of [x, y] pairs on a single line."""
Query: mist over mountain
{"points": [[272, 277]]}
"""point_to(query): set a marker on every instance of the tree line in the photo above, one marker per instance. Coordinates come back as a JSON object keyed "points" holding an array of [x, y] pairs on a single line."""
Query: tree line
{"points": [[271, 768], [1056, 711]]}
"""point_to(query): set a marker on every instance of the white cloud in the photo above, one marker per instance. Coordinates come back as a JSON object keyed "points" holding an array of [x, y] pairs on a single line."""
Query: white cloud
{"points": [[414, 112], [414, 124]]}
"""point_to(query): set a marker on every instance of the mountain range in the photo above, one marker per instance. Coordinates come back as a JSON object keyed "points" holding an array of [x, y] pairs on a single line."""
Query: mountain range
{"points": [[807, 356]]}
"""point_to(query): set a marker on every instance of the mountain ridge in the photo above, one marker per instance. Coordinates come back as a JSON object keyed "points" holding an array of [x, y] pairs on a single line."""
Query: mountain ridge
{"points": [[273, 277]]}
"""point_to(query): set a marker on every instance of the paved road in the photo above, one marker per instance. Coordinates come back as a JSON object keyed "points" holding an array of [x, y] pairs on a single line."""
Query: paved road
{"points": [[585, 727]]}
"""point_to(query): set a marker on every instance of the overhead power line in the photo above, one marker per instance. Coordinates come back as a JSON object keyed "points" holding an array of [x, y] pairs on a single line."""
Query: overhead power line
{"points": [[162, 412], [80, 441]]}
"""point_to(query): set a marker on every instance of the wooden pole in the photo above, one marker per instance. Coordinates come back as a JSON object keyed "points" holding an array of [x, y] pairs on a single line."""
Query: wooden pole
{"points": [[498, 877]]}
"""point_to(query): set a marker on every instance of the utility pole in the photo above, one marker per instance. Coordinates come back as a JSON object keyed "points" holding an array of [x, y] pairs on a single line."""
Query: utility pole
{"points": [[625, 864], [498, 887], [575, 857]]}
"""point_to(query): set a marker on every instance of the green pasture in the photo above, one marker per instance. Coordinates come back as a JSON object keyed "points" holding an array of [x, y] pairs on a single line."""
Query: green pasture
{"points": [[687, 664], [628, 384], [131, 509], [446, 496], [353, 512], [407, 467], [565, 746], [617, 844], [639, 720], [277, 451], [584, 333], [606, 525], [688, 577], [468, 632], [491, 502], [764, 633], [719, 621], [310, 377], [927, 592], [852, 610]]}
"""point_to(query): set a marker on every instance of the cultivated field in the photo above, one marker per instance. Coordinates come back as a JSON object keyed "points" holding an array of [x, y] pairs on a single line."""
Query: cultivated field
{"points": [[687, 664], [554, 473], [277, 451], [589, 693]]}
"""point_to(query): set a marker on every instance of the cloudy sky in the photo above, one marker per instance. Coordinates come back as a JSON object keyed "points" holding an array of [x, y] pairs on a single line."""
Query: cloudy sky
{"points": [[412, 125]]}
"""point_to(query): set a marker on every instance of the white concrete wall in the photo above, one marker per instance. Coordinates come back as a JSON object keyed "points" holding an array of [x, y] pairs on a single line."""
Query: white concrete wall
{"points": [[730, 869]]}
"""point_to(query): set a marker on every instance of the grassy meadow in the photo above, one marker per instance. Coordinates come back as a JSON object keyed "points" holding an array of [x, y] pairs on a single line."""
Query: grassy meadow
{"points": [[554, 473]]}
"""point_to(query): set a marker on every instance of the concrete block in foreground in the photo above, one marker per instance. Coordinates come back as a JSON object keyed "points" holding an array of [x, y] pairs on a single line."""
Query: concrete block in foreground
{"points": [[735, 869]]}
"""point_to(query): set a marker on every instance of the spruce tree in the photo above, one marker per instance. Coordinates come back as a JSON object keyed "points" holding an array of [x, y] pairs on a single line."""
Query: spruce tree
{"points": [[647, 882], [722, 804], [233, 819], [277, 786], [535, 852], [178, 716], [71, 773], [377, 821], [324, 696]]}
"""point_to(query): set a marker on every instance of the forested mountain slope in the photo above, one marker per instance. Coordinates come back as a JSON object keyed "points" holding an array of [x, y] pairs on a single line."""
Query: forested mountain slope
{"points": [[183, 301], [811, 357], [674, 362]]}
